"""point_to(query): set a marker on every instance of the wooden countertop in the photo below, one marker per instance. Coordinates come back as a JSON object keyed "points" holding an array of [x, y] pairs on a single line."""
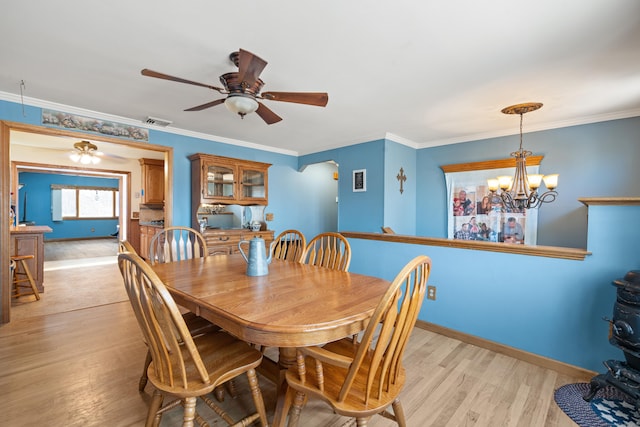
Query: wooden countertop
{"points": [[31, 229]]}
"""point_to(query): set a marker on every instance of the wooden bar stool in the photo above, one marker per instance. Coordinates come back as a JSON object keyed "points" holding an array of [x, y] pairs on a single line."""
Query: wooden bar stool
{"points": [[19, 277]]}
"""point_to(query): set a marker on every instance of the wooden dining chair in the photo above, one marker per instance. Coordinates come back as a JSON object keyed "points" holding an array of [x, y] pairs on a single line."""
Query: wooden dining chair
{"points": [[183, 366], [196, 325], [289, 246], [176, 244], [364, 378], [126, 246], [331, 250]]}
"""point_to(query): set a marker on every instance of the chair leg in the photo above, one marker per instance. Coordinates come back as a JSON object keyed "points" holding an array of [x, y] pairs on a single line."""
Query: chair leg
{"points": [[398, 411], [26, 272], [154, 416], [189, 411], [231, 388], [143, 378], [257, 396], [296, 408]]}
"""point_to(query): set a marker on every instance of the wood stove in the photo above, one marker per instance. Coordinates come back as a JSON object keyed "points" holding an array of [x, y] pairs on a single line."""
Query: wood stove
{"points": [[625, 334]]}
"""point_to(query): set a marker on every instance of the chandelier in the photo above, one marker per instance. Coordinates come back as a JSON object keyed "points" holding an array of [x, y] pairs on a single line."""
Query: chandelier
{"points": [[521, 191], [85, 153]]}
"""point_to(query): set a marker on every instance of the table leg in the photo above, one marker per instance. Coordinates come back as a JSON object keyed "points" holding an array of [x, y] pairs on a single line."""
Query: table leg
{"points": [[286, 359]]}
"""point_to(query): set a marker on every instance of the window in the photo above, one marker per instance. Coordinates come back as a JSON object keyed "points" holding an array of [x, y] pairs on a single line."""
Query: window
{"points": [[88, 202]]}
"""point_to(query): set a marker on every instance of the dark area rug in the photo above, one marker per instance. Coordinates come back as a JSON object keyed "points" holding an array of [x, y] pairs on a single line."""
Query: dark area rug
{"points": [[609, 407]]}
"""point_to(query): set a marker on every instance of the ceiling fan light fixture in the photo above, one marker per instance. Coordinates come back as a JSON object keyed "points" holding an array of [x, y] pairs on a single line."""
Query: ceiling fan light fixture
{"points": [[85, 153], [241, 104]]}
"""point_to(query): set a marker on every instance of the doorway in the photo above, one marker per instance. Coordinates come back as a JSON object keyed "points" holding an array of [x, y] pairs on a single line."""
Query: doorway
{"points": [[9, 184]]}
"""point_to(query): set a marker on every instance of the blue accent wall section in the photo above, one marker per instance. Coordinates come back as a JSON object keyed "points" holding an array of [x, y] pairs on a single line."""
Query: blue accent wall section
{"points": [[38, 191], [400, 208], [547, 306], [11, 111], [551, 307], [595, 160], [358, 211]]}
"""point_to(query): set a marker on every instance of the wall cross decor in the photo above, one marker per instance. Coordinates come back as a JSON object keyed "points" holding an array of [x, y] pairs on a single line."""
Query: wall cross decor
{"points": [[402, 178]]}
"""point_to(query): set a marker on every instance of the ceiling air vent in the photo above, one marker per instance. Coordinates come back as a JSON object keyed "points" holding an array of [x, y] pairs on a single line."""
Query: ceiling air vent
{"points": [[157, 122]]}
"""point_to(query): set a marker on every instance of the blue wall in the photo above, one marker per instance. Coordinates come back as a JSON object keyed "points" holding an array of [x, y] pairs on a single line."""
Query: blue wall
{"points": [[595, 160], [358, 211], [38, 191], [553, 309], [400, 208]]}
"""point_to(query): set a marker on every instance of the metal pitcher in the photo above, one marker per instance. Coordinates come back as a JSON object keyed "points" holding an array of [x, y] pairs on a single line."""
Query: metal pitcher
{"points": [[257, 261]]}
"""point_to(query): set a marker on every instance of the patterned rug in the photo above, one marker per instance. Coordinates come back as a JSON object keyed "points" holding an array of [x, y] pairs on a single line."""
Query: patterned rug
{"points": [[608, 408]]}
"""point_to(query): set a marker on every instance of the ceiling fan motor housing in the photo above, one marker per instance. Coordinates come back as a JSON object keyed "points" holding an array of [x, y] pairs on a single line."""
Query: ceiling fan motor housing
{"points": [[232, 84]]}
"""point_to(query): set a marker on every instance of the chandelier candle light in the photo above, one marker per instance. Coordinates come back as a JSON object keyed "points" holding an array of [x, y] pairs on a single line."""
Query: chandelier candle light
{"points": [[521, 191]]}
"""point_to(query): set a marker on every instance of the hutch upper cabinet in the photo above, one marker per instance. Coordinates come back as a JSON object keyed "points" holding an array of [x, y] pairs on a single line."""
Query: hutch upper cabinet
{"points": [[224, 180]]}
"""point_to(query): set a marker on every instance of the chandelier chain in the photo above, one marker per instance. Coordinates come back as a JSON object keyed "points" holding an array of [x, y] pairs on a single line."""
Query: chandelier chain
{"points": [[521, 114]]}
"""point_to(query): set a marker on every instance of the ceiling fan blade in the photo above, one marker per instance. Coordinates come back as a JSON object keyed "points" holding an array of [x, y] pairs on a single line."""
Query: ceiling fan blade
{"points": [[249, 67], [319, 99], [151, 73], [113, 157], [267, 115], [207, 105]]}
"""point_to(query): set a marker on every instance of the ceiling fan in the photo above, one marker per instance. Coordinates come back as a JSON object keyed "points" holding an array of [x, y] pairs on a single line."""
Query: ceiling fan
{"points": [[243, 89]]}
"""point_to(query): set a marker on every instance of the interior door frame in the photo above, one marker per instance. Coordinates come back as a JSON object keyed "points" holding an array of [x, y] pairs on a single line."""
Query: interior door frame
{"points": [[7, 186], [123, 177]]}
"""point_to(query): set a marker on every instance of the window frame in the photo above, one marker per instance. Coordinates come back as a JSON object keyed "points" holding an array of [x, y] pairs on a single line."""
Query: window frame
{"points": [[77, 188]]}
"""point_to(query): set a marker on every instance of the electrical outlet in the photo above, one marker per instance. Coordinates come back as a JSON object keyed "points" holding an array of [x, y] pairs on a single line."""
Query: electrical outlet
{"points": [[269, 217], [431, 292]]}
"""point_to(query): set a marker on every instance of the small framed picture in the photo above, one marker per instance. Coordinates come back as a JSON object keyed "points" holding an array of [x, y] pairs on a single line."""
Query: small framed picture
{"points": [[360, 180]]}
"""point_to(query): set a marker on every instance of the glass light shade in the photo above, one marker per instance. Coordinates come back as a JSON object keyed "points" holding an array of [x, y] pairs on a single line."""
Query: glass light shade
{"points": [[504, 181], [493, 184], [95, 160], [241, 104], [551, 181], [75, 157], [534, 180], [85, 159]]}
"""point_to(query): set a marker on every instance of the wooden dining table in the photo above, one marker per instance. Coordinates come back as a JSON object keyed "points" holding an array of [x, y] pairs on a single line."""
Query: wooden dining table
{"points": [[294, 305]]}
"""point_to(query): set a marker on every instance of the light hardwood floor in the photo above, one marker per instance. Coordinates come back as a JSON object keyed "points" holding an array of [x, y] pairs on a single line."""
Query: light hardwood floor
{"points": [[80, 367]]}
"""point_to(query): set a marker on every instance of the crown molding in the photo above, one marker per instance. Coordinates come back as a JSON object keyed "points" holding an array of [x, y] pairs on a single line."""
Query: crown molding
{"points": [[34, 102]]}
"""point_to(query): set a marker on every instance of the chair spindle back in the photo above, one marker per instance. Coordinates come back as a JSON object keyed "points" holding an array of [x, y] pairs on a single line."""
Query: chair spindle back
{"points": [[289, 245], [172, 348], [177, 244], [330, 250]]}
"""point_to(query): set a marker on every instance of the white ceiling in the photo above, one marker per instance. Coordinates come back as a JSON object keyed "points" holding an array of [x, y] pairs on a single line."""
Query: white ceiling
{"points": [[427, 72], [60, 147]]}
